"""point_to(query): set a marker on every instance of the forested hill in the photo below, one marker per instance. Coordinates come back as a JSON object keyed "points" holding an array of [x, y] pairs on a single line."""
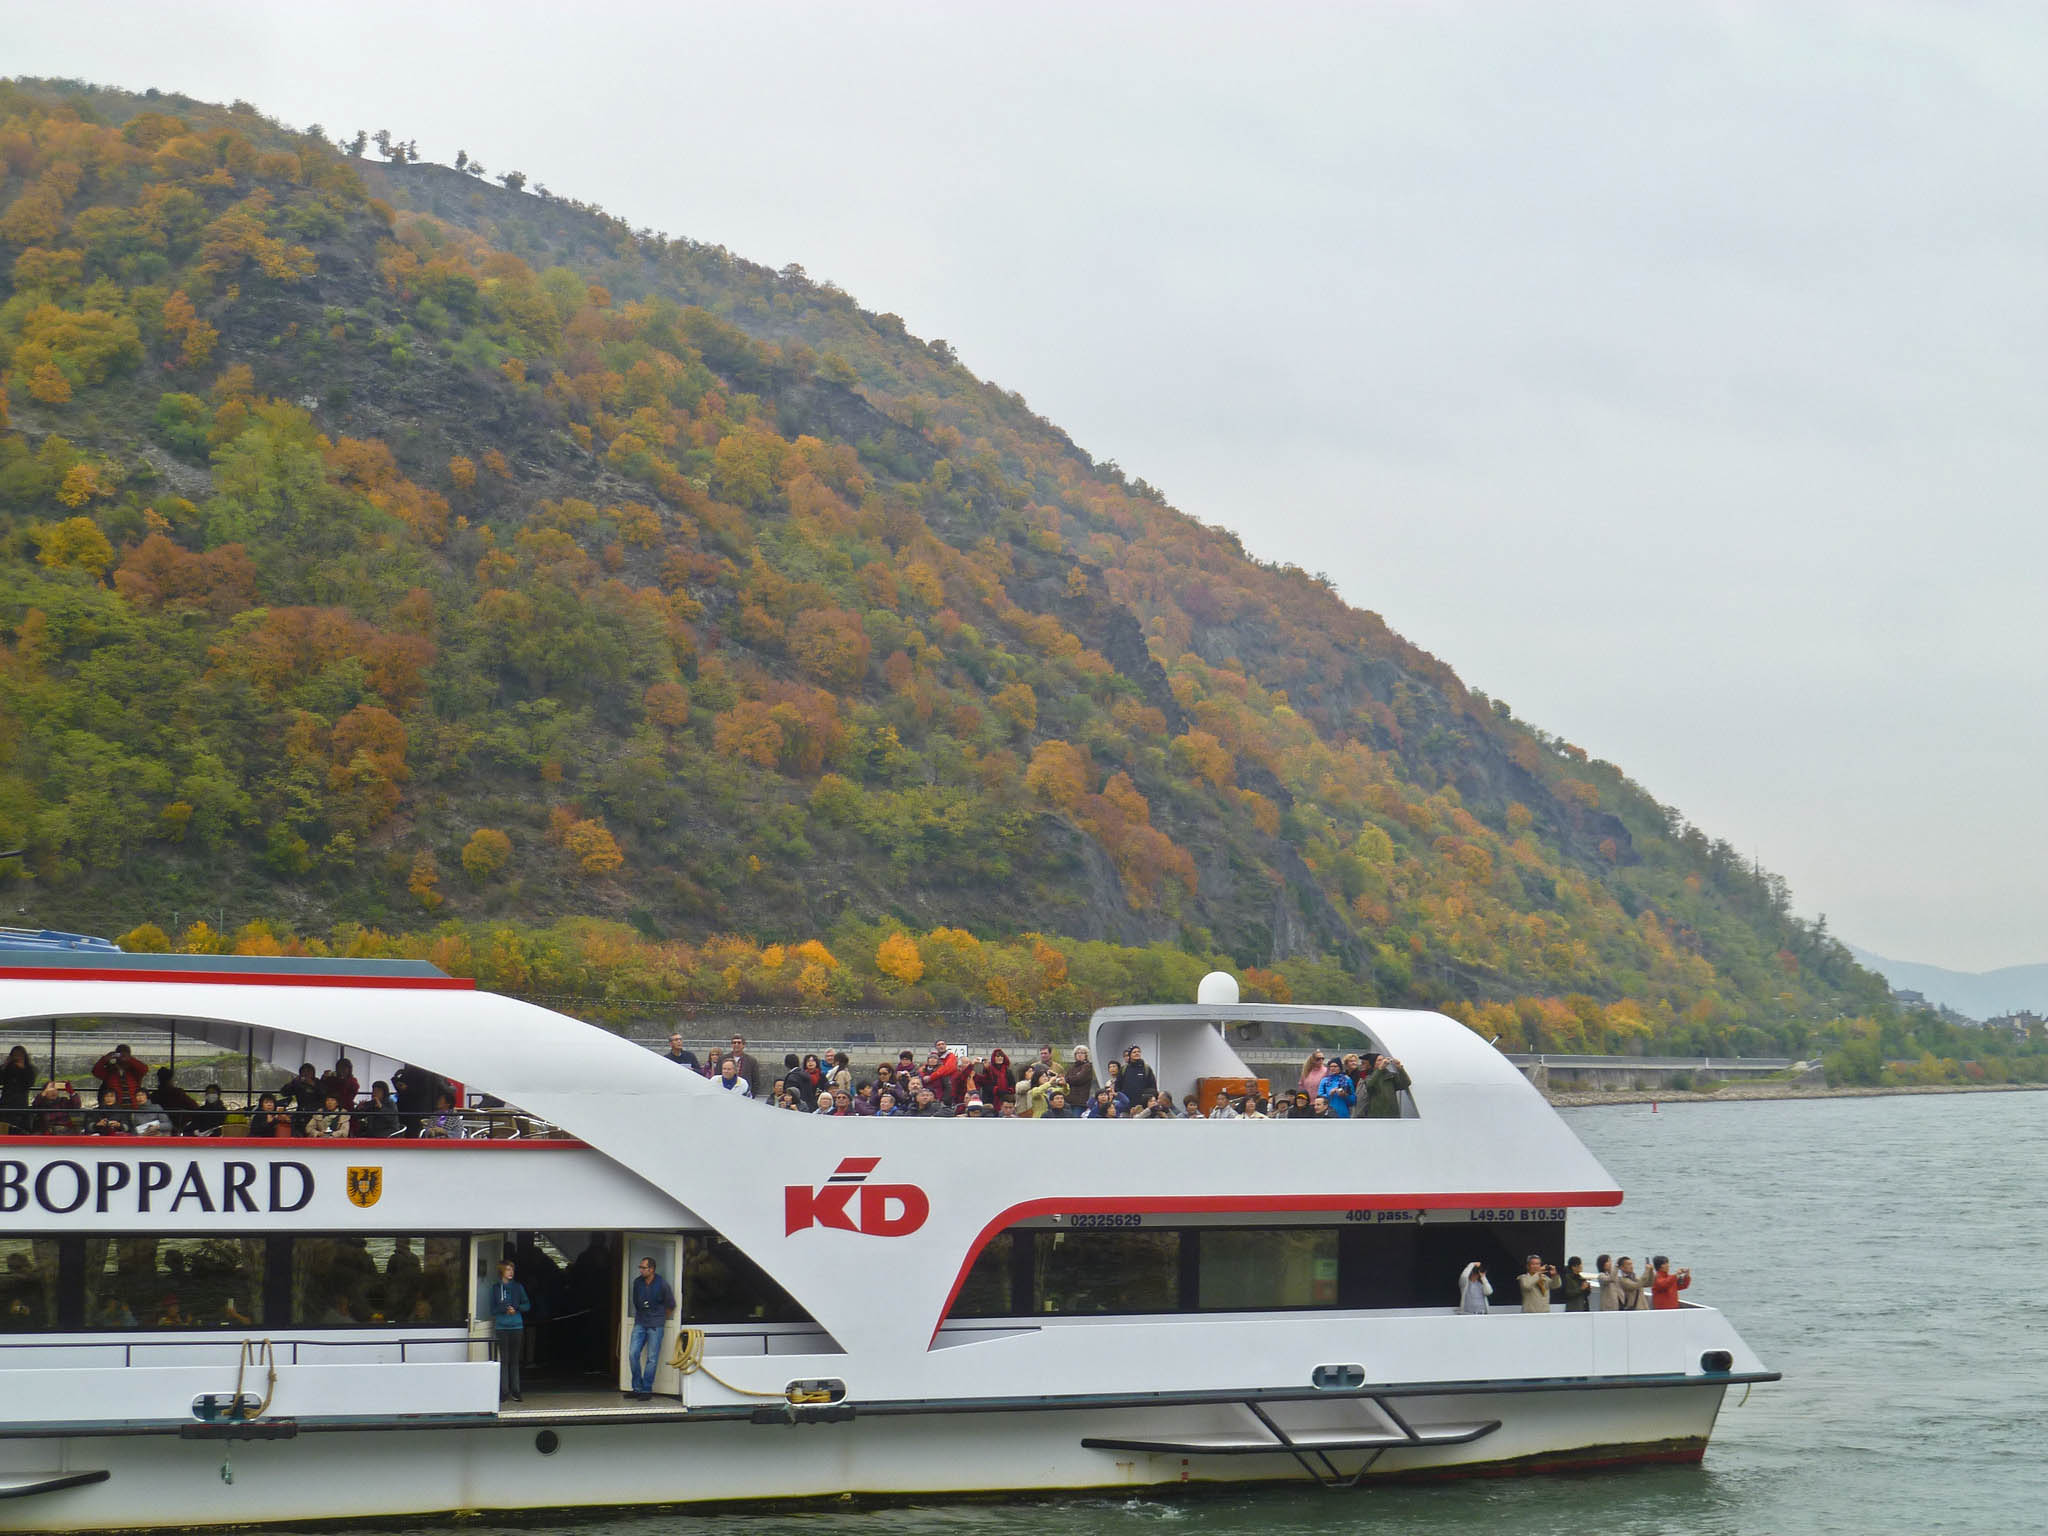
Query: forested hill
{"points": [[391, 551]]}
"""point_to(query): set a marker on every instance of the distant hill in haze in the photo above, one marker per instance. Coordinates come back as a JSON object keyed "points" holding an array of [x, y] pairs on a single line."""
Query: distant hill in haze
{"points": [[386, 548], [1975, 994]]}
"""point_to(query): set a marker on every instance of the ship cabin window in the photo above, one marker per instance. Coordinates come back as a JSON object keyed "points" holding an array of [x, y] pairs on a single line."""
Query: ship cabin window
{"points": [[28, 1284], [382, 1282], [153, 1281], [1075, 1274], [1240, 1270], [723, 1285], [1101, 1265]]}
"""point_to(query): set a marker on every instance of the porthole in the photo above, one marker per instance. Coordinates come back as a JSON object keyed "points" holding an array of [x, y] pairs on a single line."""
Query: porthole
{"points": [[547, 1442]]}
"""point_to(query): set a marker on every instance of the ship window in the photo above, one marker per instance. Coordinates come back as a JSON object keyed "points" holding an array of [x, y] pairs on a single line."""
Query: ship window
{"points": [[986, 1292], [28, 1284], [150, 1281], [379, 1282], [1077, 1274], [1250, 1270], [723, 1285]]}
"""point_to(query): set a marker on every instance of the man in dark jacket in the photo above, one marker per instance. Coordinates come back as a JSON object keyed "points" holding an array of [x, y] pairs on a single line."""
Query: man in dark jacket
{"points": [[681, 1054], [654, 1303], [1137, 1083], [509, 1306], [175, 1102], [1382, 1090], [748, 1067]]}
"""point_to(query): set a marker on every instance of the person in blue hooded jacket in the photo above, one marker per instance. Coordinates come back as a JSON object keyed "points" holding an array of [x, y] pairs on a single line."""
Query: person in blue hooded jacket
{"points": [[1341, 1090], [509, 1306]]}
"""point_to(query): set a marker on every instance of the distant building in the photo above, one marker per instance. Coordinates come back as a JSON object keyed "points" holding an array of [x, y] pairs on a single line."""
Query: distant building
{"points": [[2019, 1023], [1906, 999]]}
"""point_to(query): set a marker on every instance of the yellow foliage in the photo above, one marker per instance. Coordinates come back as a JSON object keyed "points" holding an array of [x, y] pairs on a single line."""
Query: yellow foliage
{"points": [[75, 544], [426, 875], [487, 851], [593, 847], [1059, 773], [897, 958]]}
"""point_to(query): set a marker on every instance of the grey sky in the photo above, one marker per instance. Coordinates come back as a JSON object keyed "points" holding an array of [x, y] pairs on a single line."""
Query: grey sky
{"points": [[1676, 373]]}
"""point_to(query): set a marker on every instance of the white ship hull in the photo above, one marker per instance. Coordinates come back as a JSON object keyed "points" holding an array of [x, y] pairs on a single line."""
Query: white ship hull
{"points": [[656, 1457]]}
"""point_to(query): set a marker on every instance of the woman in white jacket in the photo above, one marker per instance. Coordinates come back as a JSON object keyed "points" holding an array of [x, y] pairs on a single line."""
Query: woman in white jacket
{"points": [[1474, 1289]]}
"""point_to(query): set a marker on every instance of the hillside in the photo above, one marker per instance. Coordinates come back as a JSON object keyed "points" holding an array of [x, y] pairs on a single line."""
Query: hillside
{"points": [[387, 548], [1975, 994]]}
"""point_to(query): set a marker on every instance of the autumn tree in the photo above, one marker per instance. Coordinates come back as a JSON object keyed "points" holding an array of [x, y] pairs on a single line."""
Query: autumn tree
{"points": [[486, 853]]}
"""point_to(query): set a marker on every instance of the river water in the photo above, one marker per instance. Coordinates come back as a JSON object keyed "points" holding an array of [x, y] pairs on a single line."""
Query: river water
{"points": [[1886, 1254]]}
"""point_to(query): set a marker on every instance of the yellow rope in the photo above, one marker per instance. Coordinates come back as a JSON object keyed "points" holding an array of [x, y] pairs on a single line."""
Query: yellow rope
{"points": [[689, 1360], [261, 1354]]}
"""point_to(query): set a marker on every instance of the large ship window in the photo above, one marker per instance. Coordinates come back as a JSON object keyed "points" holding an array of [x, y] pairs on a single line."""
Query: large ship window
{"points": [[1249, 1270], [723, 1285], [153, 1282], [28, 1284], [1094, 1272], [986, 1292], [378, 1282]]}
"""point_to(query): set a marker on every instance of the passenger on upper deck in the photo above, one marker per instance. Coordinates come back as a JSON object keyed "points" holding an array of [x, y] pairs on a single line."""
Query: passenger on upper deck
{"points": [[123, 1073], [1665, 1285], [56, 1109], [341, 1084], [729, 1078], [211, 1117], [175, 1102], [1339, 1091], [109, 1119], [380, 1116], [328, 1122], [1137, 1081], [1385, 1081], [17, 1086], [746, 1066], [267, 1121], [1081, 1075], [1537, 1280], [681, 1054]]}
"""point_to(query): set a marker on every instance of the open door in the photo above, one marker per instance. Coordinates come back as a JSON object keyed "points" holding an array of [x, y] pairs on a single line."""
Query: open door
{"points": [[666, 1249], [486, 1252]]}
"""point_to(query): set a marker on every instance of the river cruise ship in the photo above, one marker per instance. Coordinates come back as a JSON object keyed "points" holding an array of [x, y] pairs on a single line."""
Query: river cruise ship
{"points": [[229, 1329]]}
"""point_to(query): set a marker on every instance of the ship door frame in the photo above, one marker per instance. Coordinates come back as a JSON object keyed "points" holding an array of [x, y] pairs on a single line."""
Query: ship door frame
{"points": [[666, 1249], [486, 1251]]}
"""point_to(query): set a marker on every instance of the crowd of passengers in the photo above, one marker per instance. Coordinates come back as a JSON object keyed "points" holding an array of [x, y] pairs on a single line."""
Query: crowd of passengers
{"points": [[947, 1083], [323, 1105], [1614, 1286]]}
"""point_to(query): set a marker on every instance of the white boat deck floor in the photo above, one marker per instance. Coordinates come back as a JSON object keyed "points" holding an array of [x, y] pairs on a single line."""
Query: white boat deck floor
{"points": [[587, 1405]]}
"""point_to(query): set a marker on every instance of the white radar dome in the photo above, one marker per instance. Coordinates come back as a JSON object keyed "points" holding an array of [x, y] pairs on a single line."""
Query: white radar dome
{"points": [[1219, 987]]}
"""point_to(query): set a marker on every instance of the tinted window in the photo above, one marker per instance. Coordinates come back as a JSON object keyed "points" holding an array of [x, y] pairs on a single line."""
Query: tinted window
{"points": [[986, 1291], [379, 1282], [1083, 1273], [723, 1285], [173, 1282], [1250, 1270], [28, 1284]]}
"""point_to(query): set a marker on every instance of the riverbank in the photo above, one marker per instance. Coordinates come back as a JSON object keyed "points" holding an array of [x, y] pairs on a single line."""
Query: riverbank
{"points": [[1584, 1098]]}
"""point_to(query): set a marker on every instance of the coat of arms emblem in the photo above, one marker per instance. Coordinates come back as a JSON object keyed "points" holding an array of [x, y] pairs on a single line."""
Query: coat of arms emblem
{"points": [[364, 1186]]}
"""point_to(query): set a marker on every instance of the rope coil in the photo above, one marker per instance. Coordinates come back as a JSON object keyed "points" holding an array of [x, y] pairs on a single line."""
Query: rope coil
{"points": [[688, 1361]]}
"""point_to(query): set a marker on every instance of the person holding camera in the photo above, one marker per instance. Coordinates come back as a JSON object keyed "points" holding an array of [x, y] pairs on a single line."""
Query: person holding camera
{"points": [[1538, 1280], [1665, 1284]]}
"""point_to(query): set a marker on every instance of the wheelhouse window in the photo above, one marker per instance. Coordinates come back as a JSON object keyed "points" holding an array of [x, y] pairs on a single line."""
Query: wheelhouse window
{"points": [[986, 1292], [153, 1281], [28, 1284], [346, 1281], [1075, 1274]]}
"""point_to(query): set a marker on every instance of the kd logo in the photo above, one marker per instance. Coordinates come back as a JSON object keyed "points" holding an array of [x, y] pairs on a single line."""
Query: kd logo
{"points": [[364, 1186], [883, 1210]]}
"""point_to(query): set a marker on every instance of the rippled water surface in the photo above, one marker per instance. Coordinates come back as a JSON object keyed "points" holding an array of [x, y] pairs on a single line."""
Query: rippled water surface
{"points": [[1886, 1254]]}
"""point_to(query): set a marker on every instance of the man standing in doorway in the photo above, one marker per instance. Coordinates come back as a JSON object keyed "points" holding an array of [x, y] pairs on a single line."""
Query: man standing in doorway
{"points": [[1137, 1083], [653, 1305], [509, 1306]]}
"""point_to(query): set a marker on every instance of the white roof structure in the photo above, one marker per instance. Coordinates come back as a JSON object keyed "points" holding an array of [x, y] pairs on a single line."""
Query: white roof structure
{"points": [[1481, 1137]]}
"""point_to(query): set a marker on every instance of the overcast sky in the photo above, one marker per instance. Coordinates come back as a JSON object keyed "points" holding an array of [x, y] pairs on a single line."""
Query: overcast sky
{"points": [[1678, 374]]}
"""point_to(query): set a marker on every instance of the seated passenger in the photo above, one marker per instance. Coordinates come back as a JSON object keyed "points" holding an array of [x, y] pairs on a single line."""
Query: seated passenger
{"points": [[267, 1121], [1190, 1107], [380, 1116], [886, 1105], [730, 1080], [329, 1123], [974, 1108], [150, 1120], [841, 1104], [1056, 1106], [109, 1119], [446, 1123], [56, 1109], [175, 1102], [1106, 1105], [1158, 1107], [1301, 1108], [211, 1117], [929, 1106]]}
